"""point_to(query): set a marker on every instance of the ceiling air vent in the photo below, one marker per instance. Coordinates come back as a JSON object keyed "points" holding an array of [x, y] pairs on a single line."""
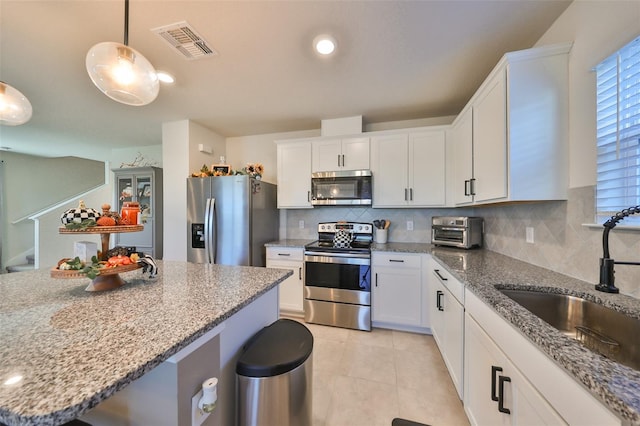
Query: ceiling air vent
{"points": [[185, 40]]}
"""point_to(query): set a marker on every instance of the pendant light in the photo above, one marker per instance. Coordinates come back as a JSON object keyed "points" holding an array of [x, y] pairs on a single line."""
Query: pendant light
{"points": [[15, 108], [122, 73]]}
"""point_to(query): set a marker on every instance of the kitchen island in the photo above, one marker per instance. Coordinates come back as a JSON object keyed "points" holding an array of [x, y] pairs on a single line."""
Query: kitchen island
{"points": [[65, 350]]}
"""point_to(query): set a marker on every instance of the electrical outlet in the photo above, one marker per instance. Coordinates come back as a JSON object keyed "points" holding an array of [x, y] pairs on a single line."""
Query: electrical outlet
{"points": [[529, 234], [301, 224], [197, 416], [409, 225]]}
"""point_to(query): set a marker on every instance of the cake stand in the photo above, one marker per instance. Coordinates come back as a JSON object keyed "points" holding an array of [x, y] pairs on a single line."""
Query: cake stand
{"points": [[109, 278]]}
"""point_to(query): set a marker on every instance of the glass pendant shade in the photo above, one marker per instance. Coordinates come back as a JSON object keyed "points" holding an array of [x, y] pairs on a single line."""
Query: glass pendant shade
{"points": [[15, 108], [122, 73]]}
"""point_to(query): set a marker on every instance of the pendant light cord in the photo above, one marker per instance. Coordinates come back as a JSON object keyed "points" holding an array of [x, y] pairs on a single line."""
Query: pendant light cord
{"points": [[126, 22]]}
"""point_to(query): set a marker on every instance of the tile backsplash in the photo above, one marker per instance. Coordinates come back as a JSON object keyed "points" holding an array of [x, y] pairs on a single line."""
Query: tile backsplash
{"points": [[561, 242]]}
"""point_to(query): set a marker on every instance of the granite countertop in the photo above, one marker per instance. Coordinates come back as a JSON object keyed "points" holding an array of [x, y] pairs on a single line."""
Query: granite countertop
{"points": [[76, 348], [289, 243], [617, 386]]}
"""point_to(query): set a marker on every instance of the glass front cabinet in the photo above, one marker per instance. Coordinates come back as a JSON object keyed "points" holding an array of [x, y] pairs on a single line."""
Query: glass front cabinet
{"points": [[143, 185]]}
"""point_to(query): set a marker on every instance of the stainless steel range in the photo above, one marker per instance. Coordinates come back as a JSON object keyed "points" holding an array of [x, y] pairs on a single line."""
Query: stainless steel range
{"points": [[337, 287]]}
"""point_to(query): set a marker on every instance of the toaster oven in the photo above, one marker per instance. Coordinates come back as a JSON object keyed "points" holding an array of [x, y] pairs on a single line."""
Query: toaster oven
{"points": [[461, 231]]}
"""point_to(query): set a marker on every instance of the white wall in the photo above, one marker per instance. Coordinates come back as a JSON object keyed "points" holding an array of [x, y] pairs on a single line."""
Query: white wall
{"points": [[201, 135], [597, 28], [175, 151], [261, 149], [180, 140]]}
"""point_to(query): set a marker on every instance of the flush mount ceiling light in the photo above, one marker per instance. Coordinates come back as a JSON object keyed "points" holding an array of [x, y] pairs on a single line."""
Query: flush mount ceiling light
{"points": [[15, 108], [122, 73], [324, 44]]}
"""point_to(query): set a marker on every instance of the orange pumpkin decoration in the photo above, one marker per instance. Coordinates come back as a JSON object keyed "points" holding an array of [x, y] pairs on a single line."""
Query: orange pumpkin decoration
{"points": [[106, 221]]}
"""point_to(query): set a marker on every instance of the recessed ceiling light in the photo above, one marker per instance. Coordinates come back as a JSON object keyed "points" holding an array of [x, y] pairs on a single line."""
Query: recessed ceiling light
{"points": [[324, 44], [165, 77]]}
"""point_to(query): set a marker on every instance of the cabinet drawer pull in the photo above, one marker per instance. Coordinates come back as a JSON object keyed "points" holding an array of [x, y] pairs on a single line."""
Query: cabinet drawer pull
{"points": [[284, 254], [439, 294], [396, 260], [437, 272], [501, 381], [494, 370]]}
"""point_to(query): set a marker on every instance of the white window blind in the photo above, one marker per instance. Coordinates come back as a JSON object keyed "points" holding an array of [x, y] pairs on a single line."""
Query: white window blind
{"points": [[618, 132]]}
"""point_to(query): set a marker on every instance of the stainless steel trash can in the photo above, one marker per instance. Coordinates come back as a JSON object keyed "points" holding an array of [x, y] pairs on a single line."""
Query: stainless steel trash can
{"points": [[274, 376]]}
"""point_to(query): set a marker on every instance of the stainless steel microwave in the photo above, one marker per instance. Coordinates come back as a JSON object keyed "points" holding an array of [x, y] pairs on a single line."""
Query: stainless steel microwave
{"points": [[352, 187]]}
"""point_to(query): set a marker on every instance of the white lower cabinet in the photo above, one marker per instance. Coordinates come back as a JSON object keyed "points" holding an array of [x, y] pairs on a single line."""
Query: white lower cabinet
{"points": [[496, 393], [291, 290], [447, 320], [508, 380], [396, 291]]}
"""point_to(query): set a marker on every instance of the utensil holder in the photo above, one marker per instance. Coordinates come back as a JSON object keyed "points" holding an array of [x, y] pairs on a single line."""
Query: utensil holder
{"points": [[380, 236]]}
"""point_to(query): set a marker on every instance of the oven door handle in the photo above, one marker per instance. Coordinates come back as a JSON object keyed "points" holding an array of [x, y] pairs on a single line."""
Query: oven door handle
{"points": [[337, 258]]}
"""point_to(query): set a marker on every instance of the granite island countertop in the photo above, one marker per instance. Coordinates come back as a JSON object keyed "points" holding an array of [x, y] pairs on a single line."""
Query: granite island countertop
{"points": [[615, 385], [74, 348]]}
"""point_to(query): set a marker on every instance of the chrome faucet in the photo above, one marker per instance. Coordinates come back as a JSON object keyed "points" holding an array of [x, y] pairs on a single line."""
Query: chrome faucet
{"points": [[607, 278]]}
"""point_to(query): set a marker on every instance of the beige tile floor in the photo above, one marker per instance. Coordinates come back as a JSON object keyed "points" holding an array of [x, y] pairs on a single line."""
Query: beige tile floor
{"points": [[369, 378]]}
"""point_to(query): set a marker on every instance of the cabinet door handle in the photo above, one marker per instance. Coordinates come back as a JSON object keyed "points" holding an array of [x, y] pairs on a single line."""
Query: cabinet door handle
{"points": [[467, 188], [405, 194], [396, 260], [472, 185], [342, 160], [437, 272], [284, 254], [501, 381], [439, 294], [494, 369], [376, 279], [300, 273], [410, 194], [309, 196]]}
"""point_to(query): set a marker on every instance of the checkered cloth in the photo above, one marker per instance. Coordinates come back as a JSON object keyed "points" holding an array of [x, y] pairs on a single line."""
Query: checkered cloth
{"points": [[342, 239], [148, 265], [78, 215]]}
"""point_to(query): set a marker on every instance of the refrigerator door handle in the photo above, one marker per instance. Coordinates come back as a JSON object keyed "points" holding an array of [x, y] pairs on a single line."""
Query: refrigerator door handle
{"points": [[213, 248], [207, 230]]}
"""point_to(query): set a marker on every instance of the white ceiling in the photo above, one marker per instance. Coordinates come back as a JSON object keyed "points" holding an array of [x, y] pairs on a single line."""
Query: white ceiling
{"points": [[396, 60]]}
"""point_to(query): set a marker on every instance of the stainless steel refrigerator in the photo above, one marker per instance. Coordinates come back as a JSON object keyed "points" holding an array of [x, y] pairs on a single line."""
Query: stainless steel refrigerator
{"points": [[229, 220]]}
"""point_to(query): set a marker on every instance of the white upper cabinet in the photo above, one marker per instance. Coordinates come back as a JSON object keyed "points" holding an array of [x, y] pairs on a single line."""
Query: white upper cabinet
{"points": [[294, 174], [515, 131], [490, 141], [461, 139], [409, 169], [340, 154]]}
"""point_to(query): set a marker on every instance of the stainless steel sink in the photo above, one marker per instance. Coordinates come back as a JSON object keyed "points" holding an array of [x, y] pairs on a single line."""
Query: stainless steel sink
{"points": [[597, 327]]}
